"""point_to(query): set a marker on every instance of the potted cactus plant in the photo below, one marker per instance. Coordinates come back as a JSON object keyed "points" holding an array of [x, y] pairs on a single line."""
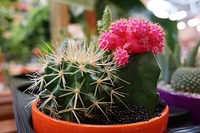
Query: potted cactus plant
{"points": [[108, 85], [181, 81]]}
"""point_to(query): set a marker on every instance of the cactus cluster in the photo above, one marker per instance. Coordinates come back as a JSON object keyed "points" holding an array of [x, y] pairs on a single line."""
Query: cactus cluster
{"points": [[82, 80], [186, 79]]}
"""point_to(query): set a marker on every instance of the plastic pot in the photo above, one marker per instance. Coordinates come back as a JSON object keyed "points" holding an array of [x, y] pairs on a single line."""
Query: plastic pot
{"points": [[182, 101]]}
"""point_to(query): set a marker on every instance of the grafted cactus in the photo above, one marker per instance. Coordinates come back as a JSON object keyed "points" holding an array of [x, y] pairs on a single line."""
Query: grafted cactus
{"points": [[134, 42]]}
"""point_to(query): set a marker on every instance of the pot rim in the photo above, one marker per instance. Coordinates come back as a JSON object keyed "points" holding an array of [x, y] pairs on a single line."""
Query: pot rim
{"points": [[164, 113], [180, 94]]}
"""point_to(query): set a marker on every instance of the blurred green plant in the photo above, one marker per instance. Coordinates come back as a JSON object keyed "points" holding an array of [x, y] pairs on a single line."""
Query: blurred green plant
{"points": [[170, 61], [32, 30], [6, 2], [187, 77], [6, 18]]}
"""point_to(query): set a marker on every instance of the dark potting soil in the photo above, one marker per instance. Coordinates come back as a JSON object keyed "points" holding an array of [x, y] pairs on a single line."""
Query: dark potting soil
{"points": [[135, 113]]}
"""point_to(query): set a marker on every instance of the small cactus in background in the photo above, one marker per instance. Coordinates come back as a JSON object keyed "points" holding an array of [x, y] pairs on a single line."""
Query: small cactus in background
{"points": [[184, 76], [186, 79], [82, 80]]}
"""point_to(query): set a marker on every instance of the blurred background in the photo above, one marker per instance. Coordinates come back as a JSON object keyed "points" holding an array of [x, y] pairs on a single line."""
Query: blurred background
{"points": [[27, 27]]}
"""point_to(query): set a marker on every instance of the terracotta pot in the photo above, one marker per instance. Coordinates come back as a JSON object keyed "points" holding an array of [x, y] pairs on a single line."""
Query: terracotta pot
{"points": [[182, 101], [45, 124]]}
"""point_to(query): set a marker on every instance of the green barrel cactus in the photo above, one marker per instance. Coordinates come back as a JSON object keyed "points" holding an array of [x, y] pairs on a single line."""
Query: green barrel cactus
{"points": [[78, 79], [186, 79]]}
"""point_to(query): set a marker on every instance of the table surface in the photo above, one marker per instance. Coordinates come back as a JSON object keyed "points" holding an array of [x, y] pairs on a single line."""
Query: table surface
{"points": [[178, 118]]}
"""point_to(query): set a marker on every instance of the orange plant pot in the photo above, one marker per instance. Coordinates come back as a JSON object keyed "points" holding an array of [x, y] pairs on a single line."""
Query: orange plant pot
{"points": [[45, 124]]}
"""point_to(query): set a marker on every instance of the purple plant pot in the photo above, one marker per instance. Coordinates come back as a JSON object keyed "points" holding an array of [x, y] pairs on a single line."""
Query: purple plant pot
{"points": [[182, 101]]}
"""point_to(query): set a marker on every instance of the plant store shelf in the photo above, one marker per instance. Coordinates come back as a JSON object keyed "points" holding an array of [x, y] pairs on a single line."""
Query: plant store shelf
{"points": [[22, 113], [179, 119]]}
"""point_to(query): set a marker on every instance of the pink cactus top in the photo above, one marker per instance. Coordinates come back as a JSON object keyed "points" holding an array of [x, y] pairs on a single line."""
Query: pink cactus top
{"points": [[129, 36]]}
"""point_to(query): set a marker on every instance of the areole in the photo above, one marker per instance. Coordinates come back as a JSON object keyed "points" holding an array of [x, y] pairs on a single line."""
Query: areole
{"points": [[45, 124]]}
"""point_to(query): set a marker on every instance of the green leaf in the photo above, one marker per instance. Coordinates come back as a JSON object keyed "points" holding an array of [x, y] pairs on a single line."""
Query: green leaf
{"points": [[190, 60], [169, 62]]}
